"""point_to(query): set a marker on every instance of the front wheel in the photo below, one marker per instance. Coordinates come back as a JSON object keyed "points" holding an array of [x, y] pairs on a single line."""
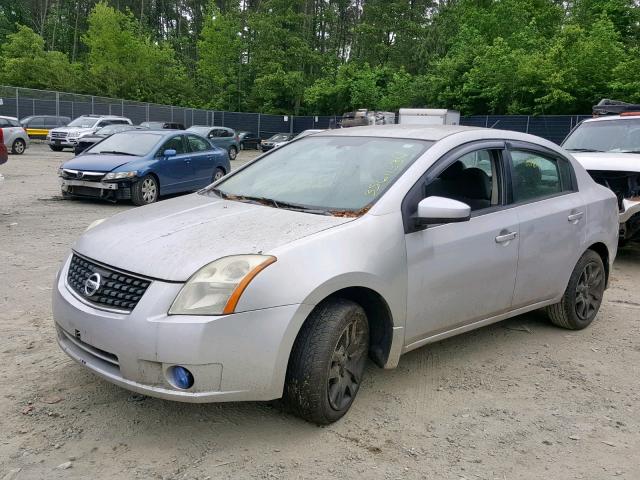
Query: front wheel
{"points": [[18, 146], [583, 296], [327, 362], [233, 153], [145, 191], [55, 149]]}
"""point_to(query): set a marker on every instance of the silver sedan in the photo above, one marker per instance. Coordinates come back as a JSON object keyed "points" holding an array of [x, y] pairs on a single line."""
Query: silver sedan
{"points": [[281, 279]]}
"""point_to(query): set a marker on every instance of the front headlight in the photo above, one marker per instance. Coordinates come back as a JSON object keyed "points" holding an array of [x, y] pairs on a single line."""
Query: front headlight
{"points": [[216, 288], [73, 133], [118, 175]]}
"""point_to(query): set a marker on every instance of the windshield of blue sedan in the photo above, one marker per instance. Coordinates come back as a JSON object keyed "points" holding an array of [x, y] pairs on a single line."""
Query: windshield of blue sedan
{"points": [[326, 174], [127, 143], [620, 136]]}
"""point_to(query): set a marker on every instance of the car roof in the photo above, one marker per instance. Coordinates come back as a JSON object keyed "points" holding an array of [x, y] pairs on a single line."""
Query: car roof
{"points": [[606, 118], [418, 132]]}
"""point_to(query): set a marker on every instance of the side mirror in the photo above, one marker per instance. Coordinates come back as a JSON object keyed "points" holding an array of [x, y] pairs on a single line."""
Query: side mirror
{"points": [[170, 153], [435, 210]]}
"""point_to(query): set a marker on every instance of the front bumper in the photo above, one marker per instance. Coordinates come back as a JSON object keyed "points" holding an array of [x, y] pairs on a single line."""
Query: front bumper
{"points": [[68, 142], [104, 190], [241, 356]]}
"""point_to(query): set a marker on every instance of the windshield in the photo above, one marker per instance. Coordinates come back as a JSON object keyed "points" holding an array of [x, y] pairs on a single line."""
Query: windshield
{"points": [[280, 137], [127, 143], [327, 174], [605, 136], [111, 129], [84, 122]]}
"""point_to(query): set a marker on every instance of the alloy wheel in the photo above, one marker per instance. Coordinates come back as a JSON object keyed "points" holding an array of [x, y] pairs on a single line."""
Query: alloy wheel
{"points": [[18, 147], [347, 365], [589, 291], [218, 175], [149, 190]]}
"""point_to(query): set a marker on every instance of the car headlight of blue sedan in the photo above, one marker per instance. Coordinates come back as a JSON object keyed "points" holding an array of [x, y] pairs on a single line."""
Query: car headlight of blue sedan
{"points": [[119, 176]]}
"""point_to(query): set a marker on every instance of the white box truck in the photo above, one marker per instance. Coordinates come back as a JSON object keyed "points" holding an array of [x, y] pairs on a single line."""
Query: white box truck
{"points": [[428, 116]]}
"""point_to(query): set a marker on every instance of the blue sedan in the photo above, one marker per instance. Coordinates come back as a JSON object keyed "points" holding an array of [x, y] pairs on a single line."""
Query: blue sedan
{"points": [[143, 165]]}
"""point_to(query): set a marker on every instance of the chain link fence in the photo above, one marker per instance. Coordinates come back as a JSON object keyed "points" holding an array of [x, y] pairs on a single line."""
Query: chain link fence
{"points": [[24, 102]]}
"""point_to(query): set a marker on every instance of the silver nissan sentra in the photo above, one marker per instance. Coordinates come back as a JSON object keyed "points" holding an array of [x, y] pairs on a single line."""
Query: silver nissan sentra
{"points": [[281, 279]]}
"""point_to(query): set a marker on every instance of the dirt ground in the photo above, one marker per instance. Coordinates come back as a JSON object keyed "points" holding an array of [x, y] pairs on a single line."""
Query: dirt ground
{"points": [[517, 400]]}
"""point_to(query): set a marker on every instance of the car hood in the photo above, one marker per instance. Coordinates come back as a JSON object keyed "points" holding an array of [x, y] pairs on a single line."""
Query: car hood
{"points": [[98, 163], [72, 129], [171, 240], [611, 161]]}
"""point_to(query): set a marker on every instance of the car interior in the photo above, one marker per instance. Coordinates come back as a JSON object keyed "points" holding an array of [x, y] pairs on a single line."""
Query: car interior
{"points": [[470, 180]]}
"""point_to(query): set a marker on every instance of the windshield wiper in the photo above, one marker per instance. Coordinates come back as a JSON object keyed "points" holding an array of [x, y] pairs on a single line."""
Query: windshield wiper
{"points": [[270, 202], [583, 150], [115, 152]]}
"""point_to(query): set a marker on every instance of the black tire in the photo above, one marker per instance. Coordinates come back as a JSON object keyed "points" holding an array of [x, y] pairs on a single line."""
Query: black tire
{"points": [[55, 149], [18, 146], [583, 296], [233, 152], [145, 191], [66, 195], [324, 362], [218, 173]]}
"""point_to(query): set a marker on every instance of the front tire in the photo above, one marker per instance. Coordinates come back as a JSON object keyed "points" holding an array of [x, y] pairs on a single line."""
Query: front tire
{"points": [[18, 146], [145, 191], [583, 296], [327, 362], [55, 149], [233, 153]]}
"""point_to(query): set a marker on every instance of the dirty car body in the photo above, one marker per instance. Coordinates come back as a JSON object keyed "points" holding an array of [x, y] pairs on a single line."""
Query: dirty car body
{"points": [[609, 149], [224, 283]]}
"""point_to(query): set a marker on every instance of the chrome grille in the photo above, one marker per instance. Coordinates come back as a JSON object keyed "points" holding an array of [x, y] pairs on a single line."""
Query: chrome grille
{"points": [[116, 290], [80, 175], [59, 134]]}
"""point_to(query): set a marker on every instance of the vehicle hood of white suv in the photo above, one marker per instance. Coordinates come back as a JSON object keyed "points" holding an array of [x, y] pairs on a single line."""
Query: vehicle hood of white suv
{"points": [[611, 161], [172, 239]]}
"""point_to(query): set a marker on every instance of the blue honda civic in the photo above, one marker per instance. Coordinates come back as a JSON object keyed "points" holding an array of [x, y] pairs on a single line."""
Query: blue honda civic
{"points": [[142, 165]]}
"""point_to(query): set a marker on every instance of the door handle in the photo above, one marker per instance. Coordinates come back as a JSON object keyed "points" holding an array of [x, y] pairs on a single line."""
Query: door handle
{"points": [[575, 217], [507, 237]]}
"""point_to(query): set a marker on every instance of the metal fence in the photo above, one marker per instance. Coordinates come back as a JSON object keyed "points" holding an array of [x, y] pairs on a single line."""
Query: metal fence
{"points": [[23, 102]]}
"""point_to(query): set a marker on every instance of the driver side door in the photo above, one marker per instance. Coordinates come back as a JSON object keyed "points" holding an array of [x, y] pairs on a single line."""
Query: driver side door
{"points": [[177, 173], [461, 273]]}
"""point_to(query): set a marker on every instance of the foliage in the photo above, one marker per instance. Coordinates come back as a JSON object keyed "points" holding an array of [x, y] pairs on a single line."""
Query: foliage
{"points": [[329, 56]]}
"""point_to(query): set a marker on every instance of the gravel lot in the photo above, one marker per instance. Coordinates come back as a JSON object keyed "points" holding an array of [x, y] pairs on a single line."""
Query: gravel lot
{"points": [[519, 399]]}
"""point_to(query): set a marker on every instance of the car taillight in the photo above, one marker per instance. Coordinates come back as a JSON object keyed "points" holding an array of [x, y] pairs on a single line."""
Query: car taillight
{"points": [[1, 136], [237, 138]]}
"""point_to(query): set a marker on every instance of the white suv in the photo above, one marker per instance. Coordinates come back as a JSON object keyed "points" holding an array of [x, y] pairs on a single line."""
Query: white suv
{"points": [[609, 148], [67, 137]]}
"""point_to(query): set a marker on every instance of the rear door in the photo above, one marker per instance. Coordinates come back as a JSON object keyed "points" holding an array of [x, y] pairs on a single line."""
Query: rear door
{"points": [[202, 159], [177, 173], [552, 218]]}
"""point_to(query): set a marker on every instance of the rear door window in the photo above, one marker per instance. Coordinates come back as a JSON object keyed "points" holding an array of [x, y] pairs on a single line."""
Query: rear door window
{"points": [[197, 144], [536, 176]]}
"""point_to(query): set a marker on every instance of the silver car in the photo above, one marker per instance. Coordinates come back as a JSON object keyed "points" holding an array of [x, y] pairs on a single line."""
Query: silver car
{"points": [[282, 278], [15, 137]]}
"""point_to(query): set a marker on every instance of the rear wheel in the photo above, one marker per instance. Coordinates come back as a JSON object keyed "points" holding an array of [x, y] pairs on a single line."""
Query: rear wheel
{"points": [[233, 153], [327, 362], [18, 146], [583, 296], [145, 191]]}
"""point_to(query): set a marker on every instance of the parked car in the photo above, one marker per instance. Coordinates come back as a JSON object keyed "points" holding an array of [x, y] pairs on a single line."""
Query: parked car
{"points": [[276, 141], [142, 166], [15, 137], [163, 125], [38, 126], [609, 148], [90, 140], [67, 137], [222, 137], [248, 140], [371, 241]]}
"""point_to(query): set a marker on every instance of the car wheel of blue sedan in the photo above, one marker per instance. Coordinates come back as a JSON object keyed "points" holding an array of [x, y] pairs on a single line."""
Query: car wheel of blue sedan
{"points": [[145, 191], [218, 174]]}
